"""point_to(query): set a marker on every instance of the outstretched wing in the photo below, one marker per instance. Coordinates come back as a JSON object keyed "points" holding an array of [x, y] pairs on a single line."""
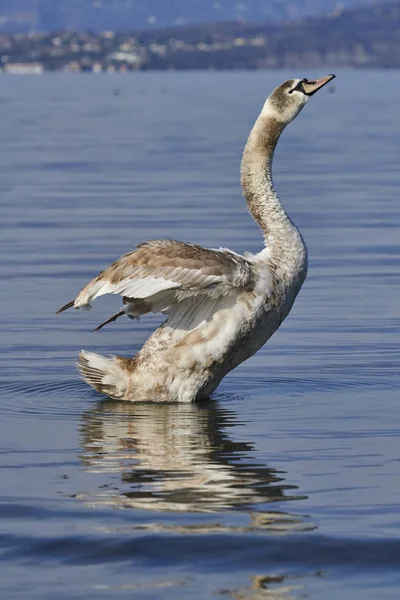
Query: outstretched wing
{"points": [[160, 274]]}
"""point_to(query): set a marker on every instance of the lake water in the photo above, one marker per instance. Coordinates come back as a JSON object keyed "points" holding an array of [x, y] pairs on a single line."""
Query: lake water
{"points": [[287, 484]]}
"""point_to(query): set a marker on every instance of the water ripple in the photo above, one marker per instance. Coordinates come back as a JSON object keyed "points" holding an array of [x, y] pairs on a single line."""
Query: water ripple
{"points": [[304, 551], [304, 385], [55, 400]]}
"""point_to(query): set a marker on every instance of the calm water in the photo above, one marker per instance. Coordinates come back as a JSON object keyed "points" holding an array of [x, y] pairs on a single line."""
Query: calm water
{"points": [[287, 484]]}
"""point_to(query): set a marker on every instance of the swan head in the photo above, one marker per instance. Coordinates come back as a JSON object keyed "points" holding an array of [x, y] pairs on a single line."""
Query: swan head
{"points": [[287, 100]]}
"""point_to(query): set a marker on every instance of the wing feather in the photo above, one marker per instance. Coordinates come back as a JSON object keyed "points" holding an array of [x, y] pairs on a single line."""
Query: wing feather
{"points": [[184, 280], [161, 265]]}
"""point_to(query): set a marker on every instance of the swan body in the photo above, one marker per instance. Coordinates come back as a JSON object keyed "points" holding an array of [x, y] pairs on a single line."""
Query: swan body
{"points": [[221, 307]]}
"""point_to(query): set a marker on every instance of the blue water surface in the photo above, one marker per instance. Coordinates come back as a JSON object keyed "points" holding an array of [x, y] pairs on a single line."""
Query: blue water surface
{"points": [[286, 485]]}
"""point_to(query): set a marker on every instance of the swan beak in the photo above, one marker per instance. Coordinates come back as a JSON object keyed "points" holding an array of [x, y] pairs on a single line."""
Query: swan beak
{"points": [[310, 87]]}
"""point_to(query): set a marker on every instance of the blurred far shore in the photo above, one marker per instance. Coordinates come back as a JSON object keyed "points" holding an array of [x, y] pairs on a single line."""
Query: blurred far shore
{"points": [[366, 35]]}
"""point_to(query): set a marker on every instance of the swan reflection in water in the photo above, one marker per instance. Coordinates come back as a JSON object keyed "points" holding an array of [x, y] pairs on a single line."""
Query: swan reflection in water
{"points": [[179, 457], [273, 587]]}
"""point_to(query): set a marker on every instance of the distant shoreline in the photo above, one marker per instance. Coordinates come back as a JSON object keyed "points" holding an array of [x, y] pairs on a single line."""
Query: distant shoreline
{"points": [[362, 38]]}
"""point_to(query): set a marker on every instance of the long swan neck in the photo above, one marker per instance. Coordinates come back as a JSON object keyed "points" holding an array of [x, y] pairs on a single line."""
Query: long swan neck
{"points": [[286, 251], [262, 199]]}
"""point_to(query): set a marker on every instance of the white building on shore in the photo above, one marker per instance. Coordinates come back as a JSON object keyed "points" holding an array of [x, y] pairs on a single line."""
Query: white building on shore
{"points": [[23, 68]]}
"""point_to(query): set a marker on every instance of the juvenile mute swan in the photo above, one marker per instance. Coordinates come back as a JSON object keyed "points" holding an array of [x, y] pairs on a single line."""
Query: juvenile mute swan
{"points": [[221, 306]]}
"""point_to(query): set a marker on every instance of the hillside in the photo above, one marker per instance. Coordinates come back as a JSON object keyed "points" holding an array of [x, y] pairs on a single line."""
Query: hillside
{"points": [[124, 15], [363, 37]]}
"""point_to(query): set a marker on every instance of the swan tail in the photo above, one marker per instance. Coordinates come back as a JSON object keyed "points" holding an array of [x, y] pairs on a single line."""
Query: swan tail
{"points": [[104, 374]]}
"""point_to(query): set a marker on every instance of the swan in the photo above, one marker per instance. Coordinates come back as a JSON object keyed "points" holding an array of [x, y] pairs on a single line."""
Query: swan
{"points": [[221, 306]]}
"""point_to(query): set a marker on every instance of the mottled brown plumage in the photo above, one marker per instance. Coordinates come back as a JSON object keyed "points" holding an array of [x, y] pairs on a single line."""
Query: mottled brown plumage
{"points": [[221, 307]]}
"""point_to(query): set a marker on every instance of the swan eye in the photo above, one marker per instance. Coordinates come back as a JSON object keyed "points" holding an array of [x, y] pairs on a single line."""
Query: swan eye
{"points": [[299, 86]]}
